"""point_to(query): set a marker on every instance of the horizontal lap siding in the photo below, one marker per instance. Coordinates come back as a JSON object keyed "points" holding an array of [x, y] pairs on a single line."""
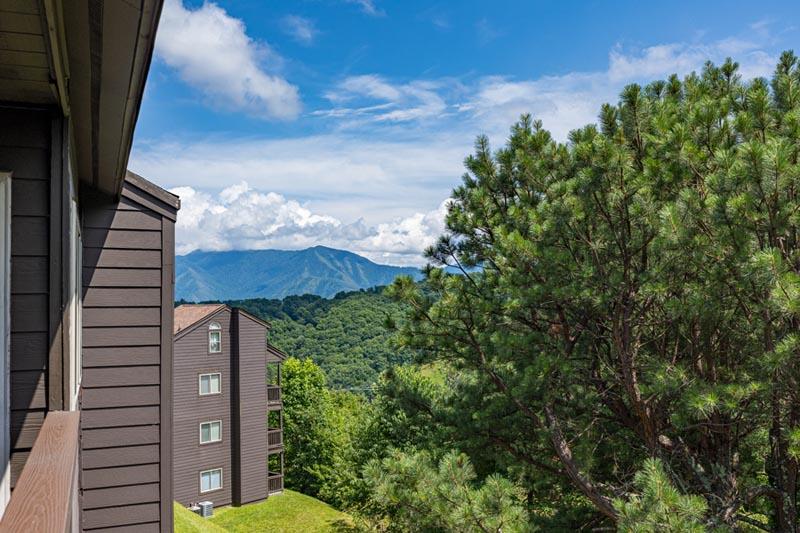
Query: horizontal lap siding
{"points": [[121, 387], [25, 137], [191, 358], [252, 409]]}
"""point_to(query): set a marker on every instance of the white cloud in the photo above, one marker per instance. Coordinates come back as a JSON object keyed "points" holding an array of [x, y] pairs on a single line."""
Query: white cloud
{"points": [[299, 28], [570, 101], [490, 104], [344, 175], [212, 52], [368, 7], [241, 218], [379, 183], [562, 103], [378, 100], [682, 58]]}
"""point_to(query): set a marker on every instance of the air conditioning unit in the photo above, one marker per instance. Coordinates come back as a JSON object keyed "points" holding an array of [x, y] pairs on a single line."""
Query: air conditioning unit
{"points": [[206, 509]]}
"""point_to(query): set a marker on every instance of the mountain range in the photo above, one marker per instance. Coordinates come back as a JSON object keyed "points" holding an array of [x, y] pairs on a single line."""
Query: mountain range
{"points": [[201, 276]]}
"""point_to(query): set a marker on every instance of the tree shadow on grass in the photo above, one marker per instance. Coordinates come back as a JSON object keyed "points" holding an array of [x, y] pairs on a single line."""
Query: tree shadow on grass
{"points": [[342, 525]]}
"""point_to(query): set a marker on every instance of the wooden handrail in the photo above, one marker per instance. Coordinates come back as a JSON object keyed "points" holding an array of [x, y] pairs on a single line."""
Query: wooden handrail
{"points": [[273, 394], [45, 495], [274, 482], [274, 437]]}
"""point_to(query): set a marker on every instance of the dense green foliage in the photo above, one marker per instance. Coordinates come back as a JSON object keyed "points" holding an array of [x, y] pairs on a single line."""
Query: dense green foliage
{"points": [[310, 436], [657, 506], [320, 426], [638, 299], [344, 335], [384, 459], [417, 494]]}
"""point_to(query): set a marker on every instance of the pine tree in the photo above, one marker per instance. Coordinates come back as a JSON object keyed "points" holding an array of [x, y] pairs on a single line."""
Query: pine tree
{"points": [[658, 507], [637, 297], [418, 494]]}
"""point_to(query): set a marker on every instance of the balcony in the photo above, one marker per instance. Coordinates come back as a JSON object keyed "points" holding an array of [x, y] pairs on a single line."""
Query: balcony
{"points": [[274, 483], [273, 396], [274, 439], [45, 497]]}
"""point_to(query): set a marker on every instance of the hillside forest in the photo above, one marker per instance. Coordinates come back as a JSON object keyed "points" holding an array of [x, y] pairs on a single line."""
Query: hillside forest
{"points": [[345, 335], [619, 352]]}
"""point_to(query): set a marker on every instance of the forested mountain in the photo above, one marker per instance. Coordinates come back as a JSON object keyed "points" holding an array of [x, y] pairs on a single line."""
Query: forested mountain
{"points": [[344, 335], [278, 273]]}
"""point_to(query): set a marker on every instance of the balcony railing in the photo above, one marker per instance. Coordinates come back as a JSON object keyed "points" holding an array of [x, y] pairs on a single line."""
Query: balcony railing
{"points": [[274, 438], [45, 497], [274, 483], [273, 395]]}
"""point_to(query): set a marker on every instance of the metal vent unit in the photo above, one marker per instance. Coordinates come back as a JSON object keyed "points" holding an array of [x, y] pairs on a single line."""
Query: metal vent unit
{"points": [[206, 509]]}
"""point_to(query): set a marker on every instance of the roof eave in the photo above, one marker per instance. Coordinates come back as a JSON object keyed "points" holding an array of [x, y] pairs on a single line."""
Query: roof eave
{"points": [[109, 51], [191, 327], [276, 352], [252, 317]]}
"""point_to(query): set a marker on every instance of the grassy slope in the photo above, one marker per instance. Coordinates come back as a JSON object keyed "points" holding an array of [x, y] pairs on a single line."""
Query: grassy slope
{"points": [[290, 512], [188, 522]]}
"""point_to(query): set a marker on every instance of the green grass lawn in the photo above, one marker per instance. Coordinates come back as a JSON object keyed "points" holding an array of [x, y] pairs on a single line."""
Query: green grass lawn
{"points": [[189, 522], [290, 512]]}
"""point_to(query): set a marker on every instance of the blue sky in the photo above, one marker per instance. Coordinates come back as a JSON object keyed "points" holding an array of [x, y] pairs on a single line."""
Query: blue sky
{"points": [[345, 122]]}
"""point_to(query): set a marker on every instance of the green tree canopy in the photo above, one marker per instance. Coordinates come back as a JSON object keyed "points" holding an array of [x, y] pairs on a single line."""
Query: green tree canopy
{"points": [[344, 335], [638, 296], [658, 507], [310, 435], [417, 494]]}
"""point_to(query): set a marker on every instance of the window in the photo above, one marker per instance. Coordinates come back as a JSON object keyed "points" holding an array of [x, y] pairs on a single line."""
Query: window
{"points": [[211, 432], [210, 384], [73, 311], [214, 338], [211, 480]]}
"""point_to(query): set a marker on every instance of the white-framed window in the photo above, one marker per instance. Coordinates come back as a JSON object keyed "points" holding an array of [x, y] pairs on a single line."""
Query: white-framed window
{"points": [[214, 338], [210, 384], [73, 312], [211, 432], [210, 480]]}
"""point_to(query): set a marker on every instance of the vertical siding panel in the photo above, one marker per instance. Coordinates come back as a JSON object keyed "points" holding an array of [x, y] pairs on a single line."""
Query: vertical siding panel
{"points": [[167, 317], [127, 409], [252, 410]]}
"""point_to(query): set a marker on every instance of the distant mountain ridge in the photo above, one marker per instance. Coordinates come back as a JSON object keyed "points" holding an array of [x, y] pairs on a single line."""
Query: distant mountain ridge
{"points": [[241, 274]]}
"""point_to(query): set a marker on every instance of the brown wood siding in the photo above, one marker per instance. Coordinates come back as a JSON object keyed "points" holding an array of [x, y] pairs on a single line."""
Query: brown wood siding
{"points": [[251, 411], [25, 140], [241, 406], [190, 359], [126, 368]]}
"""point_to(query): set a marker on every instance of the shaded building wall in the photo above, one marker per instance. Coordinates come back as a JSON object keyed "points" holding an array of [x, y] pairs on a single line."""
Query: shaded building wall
{"points": [[26, 150], [250, 418], [126, 391]]}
